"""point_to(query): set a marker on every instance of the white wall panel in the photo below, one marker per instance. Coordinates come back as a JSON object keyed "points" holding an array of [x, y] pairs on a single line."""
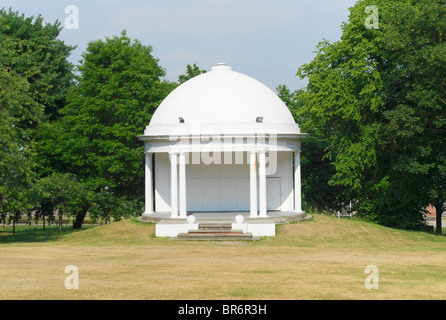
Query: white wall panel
{"points": [[224, 187]]}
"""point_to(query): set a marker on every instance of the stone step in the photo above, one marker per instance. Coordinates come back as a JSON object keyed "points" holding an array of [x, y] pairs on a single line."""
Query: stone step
{"points": [[216, 236], [215, 231], [214, 226]]}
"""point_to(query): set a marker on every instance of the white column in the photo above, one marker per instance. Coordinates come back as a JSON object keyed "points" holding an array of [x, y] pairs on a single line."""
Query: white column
{"points": [[182, 185], [262, 184], [297, 187], [253, 184], [173, 185], [148, 195]]}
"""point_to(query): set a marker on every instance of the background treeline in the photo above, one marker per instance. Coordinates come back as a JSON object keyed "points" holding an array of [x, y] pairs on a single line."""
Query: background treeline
{"points": [[68, 141], [375, 108]]}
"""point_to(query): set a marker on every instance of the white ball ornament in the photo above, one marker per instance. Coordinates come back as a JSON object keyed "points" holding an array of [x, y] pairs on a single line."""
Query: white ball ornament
{"points": [[239, 219], [190, 219]]}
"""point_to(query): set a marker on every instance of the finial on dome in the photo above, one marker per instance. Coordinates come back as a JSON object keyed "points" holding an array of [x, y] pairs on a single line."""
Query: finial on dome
{"points": [[221, 66]]}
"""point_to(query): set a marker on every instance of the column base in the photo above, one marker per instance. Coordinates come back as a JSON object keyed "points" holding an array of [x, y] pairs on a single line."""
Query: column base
{"points": [[148, 214]]}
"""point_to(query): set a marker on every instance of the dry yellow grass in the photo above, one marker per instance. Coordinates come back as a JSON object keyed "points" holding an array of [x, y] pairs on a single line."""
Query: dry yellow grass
{"points": [[324, 258]]}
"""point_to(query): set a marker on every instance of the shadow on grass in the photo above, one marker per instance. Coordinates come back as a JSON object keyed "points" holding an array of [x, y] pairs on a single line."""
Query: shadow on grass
{"points": [[35, 233]]}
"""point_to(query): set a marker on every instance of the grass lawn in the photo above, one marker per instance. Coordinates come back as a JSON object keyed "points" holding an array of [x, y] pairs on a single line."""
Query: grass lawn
{"points": [[323, 258]]}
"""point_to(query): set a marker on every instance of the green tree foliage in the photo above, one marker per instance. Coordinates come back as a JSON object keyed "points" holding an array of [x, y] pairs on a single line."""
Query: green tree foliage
{"points": [[375, 101], [30, 47], [191, 71], [416, 123], [17, 165], [107, 206], [119, 87], [60, 195], [34, 78], [316, 169]]}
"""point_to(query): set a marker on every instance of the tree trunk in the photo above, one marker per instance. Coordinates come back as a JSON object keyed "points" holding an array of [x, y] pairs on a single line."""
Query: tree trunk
{"points": [[60, 223], [43, 223], [77, 224], [438, 215]]}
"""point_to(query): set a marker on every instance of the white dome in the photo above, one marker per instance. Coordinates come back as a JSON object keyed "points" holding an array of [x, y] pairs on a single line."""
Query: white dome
{"points": [[221, 98]]}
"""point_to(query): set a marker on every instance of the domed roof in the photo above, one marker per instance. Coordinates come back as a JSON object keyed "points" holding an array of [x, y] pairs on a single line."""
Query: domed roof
{"points": [[221, 98]]}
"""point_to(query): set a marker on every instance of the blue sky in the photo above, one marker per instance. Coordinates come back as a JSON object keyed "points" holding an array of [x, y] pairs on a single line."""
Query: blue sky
{"points": [[265, 39]]}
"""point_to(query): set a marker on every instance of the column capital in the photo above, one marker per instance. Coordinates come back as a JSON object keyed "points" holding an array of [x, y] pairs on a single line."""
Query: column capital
{"points": [[262, 150]]}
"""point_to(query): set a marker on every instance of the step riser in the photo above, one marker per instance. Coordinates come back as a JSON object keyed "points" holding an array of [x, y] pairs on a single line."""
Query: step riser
{"points": [[215, 231], [214, 227], [219, 239], [215, 237]]}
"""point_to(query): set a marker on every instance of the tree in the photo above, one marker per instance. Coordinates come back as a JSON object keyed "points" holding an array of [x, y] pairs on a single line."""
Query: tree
{"points": [[60, 194], [415, 42], [106, 206], [79, 203], [191, 71], [316, 169], [34, 78], [30, 47], [17, 165], [377, 99], [119, 87]]}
